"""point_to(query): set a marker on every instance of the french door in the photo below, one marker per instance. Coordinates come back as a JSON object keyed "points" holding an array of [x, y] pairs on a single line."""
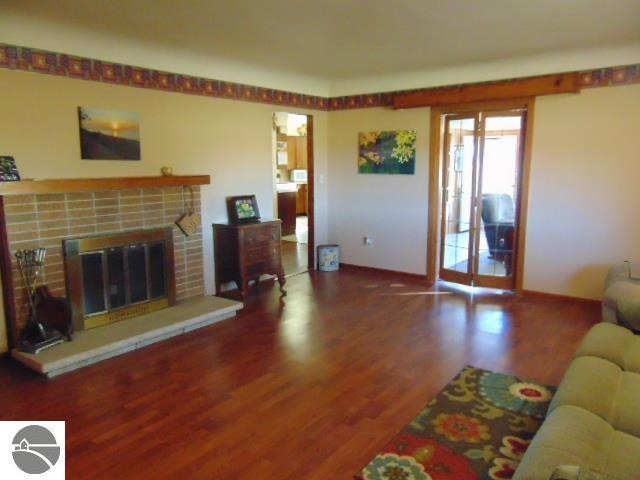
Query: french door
{"points": [[482, 164]]}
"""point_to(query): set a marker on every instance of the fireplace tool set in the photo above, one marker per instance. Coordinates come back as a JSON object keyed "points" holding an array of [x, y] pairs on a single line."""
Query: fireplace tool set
{"points": [[36, 337]]}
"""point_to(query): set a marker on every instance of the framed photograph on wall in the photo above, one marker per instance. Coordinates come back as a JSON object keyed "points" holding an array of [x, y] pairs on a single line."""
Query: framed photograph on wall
{"points": [[243, 208], [108, 134]]}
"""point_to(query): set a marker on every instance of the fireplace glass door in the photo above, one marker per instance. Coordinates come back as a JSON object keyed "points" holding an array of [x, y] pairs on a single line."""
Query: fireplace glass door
{"points": [[118, 276]]}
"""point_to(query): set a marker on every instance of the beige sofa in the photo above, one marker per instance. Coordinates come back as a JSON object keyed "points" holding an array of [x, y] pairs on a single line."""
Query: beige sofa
{"points": [[594, 419]]}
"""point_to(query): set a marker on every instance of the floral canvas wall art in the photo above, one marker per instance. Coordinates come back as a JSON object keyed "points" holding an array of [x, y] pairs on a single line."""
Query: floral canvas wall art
{"points": [[391, 152]]}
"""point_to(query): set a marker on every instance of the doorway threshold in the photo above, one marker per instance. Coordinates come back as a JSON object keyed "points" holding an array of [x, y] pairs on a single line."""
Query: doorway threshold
{"points": [[473, 290]]}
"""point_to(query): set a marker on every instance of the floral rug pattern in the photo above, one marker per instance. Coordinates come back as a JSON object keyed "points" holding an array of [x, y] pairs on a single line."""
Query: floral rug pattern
{"points": [[477, 428]]}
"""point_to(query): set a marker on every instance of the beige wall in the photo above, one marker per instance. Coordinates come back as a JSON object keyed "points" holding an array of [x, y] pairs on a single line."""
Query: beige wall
{"points": [[391, 209], [584, 181], [584, 208], [584, 191], [230, 140]]}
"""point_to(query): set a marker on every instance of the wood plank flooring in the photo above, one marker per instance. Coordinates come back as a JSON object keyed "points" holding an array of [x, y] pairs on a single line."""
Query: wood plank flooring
{"points": [[294, 257], [307, 386]]}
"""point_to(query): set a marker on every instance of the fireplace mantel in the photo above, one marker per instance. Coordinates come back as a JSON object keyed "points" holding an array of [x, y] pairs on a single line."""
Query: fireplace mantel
{"points": [[67, 185]]}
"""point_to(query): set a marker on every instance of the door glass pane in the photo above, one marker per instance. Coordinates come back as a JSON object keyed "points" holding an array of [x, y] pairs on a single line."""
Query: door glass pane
{"points": [[137, 273], [117, 288], [499, 175], [460, 154], [93, 283], [157, 285]]}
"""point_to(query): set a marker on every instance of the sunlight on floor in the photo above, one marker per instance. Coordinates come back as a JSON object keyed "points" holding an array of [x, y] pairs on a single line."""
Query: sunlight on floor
{"points": [[302, 231]]}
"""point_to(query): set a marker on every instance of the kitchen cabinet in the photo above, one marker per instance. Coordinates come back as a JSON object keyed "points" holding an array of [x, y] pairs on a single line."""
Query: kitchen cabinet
{"points": [[296, 153], [301, 153], [292, 152], [287, 211], [301, 199]]}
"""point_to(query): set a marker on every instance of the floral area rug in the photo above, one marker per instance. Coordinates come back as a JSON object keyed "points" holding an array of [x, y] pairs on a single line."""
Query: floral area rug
{"points": [[478, 427]]}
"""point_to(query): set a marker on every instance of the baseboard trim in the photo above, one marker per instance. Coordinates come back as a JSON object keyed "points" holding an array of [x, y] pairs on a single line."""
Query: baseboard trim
{"points": [[381, 271], [555, 296]]}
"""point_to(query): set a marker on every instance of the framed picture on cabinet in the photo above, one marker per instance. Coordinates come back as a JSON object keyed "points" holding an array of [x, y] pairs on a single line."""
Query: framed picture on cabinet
{"points": [[243, 208]]}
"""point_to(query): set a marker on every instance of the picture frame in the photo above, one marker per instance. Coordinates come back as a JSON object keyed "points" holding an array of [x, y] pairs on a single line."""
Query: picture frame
{"points": [[109, 134], [387, 152], [243, 208], [8, 170]]}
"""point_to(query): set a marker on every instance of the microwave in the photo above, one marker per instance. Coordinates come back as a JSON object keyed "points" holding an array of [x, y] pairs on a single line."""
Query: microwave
{"points": [[298, 176]]}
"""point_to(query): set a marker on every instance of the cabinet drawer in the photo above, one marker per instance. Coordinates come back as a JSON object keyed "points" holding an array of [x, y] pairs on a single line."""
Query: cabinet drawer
{"points": [[264, 252], [261, 236]]}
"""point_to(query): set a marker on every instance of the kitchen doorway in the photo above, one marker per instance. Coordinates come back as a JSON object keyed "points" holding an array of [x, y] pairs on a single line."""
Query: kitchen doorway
{"points": [[293, 189], [482, 171]]}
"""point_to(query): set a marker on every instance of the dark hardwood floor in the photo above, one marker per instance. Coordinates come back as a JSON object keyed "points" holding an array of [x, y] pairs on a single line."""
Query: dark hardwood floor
{"points": [[308, 386], [294, 257]]}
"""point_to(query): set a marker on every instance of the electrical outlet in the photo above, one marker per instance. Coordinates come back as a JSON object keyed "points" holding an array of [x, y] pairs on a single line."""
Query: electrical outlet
{"points": [[368, 241]]}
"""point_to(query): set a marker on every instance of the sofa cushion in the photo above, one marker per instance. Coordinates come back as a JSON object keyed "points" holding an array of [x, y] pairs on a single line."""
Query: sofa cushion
{"points": [[602, 388], [575, 436], [614, 343]]}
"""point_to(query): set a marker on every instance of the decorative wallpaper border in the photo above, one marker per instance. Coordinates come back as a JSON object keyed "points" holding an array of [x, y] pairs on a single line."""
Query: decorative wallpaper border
{"points": [[601, 77], [41, 61]]}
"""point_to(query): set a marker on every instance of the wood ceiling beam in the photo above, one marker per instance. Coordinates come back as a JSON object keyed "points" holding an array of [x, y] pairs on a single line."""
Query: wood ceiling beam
{"points": [[500, 90]]}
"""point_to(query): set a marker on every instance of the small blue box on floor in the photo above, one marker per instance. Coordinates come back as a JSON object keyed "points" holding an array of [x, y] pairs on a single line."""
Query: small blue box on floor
{"points": [[328, 258]]}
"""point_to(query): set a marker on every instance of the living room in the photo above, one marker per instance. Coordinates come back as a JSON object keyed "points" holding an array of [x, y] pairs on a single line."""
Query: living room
{"points": [[326, 337]]}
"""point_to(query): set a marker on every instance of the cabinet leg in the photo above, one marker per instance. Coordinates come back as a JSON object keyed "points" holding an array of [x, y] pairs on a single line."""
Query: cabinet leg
{"points": [[282, 281], [245, 288]]}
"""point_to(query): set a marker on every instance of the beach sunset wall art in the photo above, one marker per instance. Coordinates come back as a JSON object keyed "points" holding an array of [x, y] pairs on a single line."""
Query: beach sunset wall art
{"points": [[107, 134], [391, 152]]}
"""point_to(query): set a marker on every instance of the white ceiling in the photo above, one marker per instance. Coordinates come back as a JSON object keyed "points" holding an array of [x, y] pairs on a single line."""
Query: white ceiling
{"points": [[334, 41]]}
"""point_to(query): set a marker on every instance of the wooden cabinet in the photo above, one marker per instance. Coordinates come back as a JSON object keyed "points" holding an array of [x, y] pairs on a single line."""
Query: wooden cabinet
{"points": [[292, 153], [244, 251], [301, 200], [296, 153], [301, 153], [287, 202]]}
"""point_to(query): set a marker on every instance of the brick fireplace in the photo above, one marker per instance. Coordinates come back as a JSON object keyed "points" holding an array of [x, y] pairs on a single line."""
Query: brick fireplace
{"points": [[47, 219]]}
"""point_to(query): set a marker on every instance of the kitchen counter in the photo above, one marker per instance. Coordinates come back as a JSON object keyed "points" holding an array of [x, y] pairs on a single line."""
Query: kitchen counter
{"points": [[286, 187]]}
